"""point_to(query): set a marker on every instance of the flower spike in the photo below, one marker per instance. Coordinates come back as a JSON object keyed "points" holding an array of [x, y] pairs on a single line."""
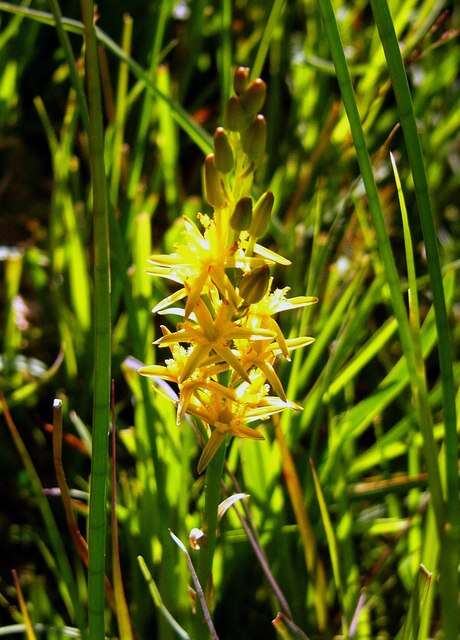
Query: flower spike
{"points": [[226, 342]]}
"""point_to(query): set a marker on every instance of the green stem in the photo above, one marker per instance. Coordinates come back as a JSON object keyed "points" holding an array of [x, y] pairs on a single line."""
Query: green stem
{"points": [[214, 474], [102, 342]]}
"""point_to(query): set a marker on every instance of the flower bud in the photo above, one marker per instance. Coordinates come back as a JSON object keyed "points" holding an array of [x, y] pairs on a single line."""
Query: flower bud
{"points": [[254, 138], [235, 117], [261, 214], [223, 155], [242, 214], [212, 186], [253, 285], [254, 97], [241, 80]]}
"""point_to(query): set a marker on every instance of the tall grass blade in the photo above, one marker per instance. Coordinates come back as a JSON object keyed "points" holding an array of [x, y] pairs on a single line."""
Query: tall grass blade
{"points": [[97, 525], [346, 88], [330, 536], [273, 18], [146, 109], [414, 151], [68, 52], [420, 594], [157, 599], [28, 627], [121, 605]]}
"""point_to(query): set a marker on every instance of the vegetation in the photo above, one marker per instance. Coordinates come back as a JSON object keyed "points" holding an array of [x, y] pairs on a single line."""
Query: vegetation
{"points": [[138, 173]]}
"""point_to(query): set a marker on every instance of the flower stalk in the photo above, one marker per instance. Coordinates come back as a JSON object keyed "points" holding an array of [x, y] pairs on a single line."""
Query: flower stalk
{"points": [[224, 349]]}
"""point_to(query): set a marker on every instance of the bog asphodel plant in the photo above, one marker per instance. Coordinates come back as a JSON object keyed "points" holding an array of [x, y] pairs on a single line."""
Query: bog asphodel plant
{"points": [[224, 351]]}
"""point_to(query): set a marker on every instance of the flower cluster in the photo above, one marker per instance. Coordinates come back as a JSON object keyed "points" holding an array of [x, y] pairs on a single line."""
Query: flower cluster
{"points": [[224, 350]]}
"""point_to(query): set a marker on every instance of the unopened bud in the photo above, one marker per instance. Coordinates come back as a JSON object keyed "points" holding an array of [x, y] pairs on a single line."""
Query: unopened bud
{"points": [[254, 285], [196, 538], [261, 214], [254, 138], [212, 186], [254, 97], [235, 117], [242, 215], [241, 80], [223, 155]]}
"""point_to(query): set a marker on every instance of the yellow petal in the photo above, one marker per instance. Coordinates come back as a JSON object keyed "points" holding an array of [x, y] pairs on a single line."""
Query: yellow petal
{"points": [[165, 259], [164, 273], [272, 378], [226, 354], [271, 255], [171, 338], [199, 352], [205, 319], [166, 302], [298, 343], [194, 294], [185, 396], [249, 334], [246, 432], [296, 303], [242, 262], [157, 371], [219, 388], [224, 286], [280, 338], [210, 450]]}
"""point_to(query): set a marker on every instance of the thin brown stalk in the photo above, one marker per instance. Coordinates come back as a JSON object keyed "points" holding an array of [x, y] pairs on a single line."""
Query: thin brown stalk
{"points": [[313, 563], [247, 524], [77, 538], [198, 587]]}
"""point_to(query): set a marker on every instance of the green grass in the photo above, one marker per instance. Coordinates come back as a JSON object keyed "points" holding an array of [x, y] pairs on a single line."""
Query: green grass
{"points": [[367, 542]]}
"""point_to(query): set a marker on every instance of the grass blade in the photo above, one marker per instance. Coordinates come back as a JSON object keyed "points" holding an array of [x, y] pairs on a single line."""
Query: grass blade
{"points": [[97, 525], [330, 535], [262, 51], [157, 599], [121, 606], [196, 133], [420, 594], [198, 587], [67, 48], [225, 53], [346, 88], [414, 151], [449, 578], [47, 515], [313, 562], [28, 627]]}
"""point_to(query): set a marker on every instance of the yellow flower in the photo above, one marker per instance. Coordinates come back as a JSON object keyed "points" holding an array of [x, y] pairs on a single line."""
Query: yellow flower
{"points": [[212, 335], [260, 314], [229, 412], [201, 260], [227, 330]]}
